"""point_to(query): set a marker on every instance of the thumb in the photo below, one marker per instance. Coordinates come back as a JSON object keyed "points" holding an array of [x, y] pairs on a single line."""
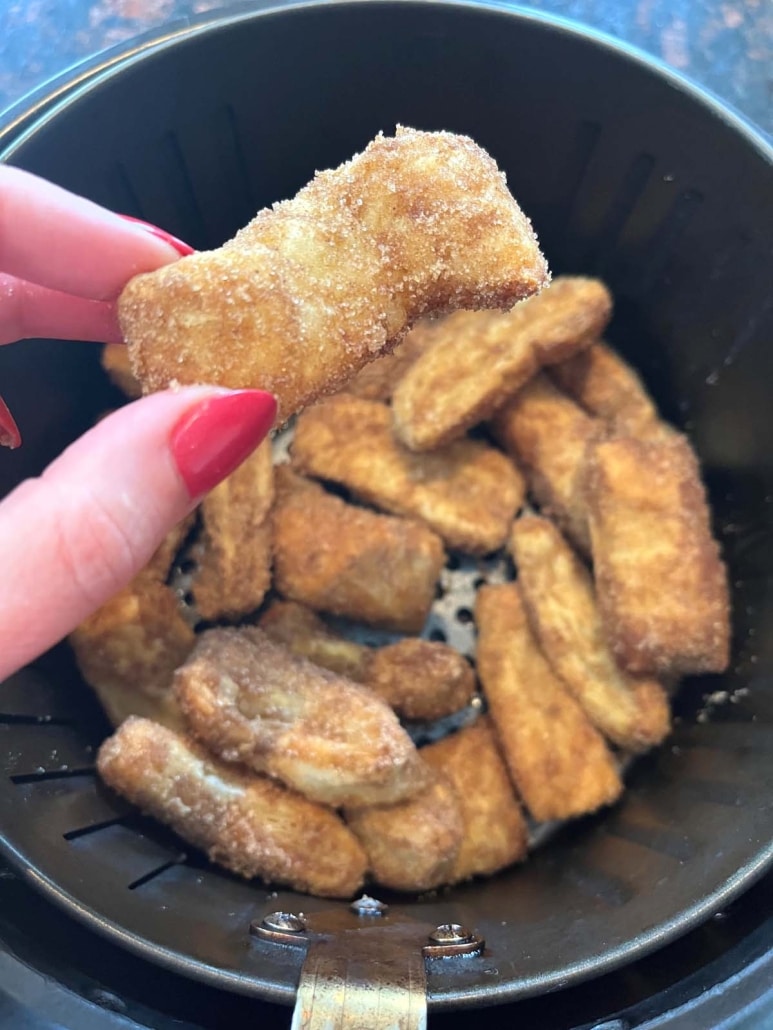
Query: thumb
{"points": [[73, 537]]}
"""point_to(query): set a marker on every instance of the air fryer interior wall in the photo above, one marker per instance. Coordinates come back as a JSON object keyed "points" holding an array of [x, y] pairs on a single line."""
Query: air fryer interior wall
{"points": [[625, 175]]}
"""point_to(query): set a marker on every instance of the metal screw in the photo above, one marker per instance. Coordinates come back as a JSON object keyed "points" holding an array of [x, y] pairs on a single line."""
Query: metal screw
{"points": [[367, 906], [284, 922], [450, 933]]}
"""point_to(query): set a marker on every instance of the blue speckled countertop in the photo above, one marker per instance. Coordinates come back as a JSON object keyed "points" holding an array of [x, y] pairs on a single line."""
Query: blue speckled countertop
{"points": [[724, 45]]}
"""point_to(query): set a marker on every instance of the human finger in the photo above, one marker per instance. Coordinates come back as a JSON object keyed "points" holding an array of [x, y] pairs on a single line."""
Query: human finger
{"points": [[54, 238], [73, 537], [29, 311]]}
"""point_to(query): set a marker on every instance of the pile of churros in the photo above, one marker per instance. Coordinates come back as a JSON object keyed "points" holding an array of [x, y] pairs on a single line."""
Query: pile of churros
{"points": [[259, 730]]}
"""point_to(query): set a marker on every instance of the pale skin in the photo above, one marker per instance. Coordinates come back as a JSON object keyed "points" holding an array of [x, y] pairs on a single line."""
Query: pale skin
{"points": [[74, 536]]}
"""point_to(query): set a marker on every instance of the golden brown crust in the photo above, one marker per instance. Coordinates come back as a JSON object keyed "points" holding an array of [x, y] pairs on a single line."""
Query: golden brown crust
{"points": [[344, 560], [317, 286], [412, 846], [467, 492], [378, 379], [495, 832], [303, 632], [251, 701], [480, 359], [234, 554], [420, 679], [559, 762], [548, 435], [247, 823], [560, 601], [606, 386], [117, 363], [129, 648], [662, 586]]}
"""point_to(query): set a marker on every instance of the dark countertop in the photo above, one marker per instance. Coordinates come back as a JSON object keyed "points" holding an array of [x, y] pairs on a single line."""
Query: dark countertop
{"points": [[724, 45]]}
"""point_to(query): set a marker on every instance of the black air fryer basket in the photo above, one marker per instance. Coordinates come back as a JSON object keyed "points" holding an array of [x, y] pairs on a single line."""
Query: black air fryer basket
{"points": [[627, 173]]}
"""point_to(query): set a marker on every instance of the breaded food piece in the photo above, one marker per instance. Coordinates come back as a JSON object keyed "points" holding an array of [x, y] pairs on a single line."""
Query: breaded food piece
{"points": [[481, 358], [560, 601], [494, 829], [378, 379], [661, 584], [128, 650], [348, 561], [315, 287], [234, 554], [467, 492], [117, 364], [303, 632], [420, 679], [558, 760], [606, 386], [249, 700], [412, 846], [548, 435], [247, 823]]}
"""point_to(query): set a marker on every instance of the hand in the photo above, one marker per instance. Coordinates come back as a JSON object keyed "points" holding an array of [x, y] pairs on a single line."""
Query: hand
{"points": [[80, 532]]}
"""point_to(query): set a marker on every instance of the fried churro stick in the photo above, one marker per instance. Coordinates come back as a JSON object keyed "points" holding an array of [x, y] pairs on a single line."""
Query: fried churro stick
{"points": [[247, 823], [117, 364], [561, 604], [467, 492], [234, 555], [479, 359], [344, 560], [559, 762], [250, 700], [548, 435], [129, 649], [412, 846], [303, 632], [420, 679], [319, 285], [377, 380], [661, 584], [606, 386], [494, 829]]}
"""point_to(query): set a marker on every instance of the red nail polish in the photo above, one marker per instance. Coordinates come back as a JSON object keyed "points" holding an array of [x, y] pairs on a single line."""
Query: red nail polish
{"points": [[9, 431], [212, 439], [183, 249]]}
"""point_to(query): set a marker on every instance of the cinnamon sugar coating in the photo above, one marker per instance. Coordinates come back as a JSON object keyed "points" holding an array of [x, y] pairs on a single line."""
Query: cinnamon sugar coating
{"points": [[317, 286]]}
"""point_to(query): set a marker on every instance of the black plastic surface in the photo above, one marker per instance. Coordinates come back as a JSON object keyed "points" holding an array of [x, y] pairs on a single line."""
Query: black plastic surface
{"points": [[55, 973], [627, 174]]}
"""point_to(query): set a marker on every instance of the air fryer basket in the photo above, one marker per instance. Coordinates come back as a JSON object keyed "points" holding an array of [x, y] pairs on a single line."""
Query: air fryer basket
{"points": [[627, 173]]}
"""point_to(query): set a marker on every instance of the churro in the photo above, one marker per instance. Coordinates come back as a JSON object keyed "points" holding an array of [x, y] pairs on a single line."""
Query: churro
{"points": [[467, 492], [317, 286], [247, 823], [249, 700], [560, 601], [480, 359]]}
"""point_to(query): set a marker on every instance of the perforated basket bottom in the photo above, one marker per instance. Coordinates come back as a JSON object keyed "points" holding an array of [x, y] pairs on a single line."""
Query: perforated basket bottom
{"points": [[647, 862]]}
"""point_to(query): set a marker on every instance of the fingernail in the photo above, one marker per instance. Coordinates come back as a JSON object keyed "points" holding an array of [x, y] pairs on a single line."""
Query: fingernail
{"points": [[183, 249], [215, 437], [9, 431]]}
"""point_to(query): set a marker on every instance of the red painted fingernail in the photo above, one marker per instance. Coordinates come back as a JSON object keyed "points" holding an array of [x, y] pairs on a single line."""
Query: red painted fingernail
{"points": [[212, 439], [9, 431], [183, 249]]}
